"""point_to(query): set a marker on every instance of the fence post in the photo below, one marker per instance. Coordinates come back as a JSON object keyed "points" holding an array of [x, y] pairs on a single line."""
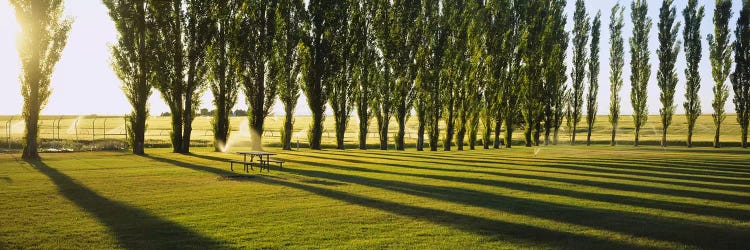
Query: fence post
{"points": [[125, 125], [104, 129], [93, 133], [9, 128], [58, 128], [75, 126]]}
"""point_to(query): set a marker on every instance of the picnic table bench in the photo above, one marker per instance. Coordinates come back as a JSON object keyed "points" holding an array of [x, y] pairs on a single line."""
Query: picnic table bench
{"points": [[261, 161]]}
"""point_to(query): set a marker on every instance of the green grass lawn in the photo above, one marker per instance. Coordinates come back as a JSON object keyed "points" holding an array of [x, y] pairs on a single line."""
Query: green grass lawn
{"points": [[547, 197]]}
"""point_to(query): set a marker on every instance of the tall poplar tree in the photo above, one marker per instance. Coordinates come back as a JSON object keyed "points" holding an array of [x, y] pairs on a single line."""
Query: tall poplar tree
{"points": [[366, 74], [223, 65], [498, 28], [43, 36], [741, 76], [591, 105], [581, 28], [285, 63], [720, 53], [130, 58], [666, 75], [325, 16], [347, 46], [693, 53], [640, 67], [257, 25], [555, 76], [510, 89], [182, 31], [429, 60], [455, 68], [616, 63]]}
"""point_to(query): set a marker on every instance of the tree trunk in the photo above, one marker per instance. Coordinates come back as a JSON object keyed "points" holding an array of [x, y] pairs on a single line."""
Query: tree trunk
{"points": [[613, 142], [176, 129], [188, 123], [556, 136], [434, 133], [449, 132], [537, 133], [31, 148], [664, 136], [637, 135], [498, 126], [588, 137], [717, 143], [286, 135], [690, 137], [341, 122], [383, 133], [139, 132], [221, 127], [508, 132], [527, 130], [744, 136], [573, 134], [460, 137], [316, 133], [401, 118], [420, 131], [363, 127], [487, 135]]}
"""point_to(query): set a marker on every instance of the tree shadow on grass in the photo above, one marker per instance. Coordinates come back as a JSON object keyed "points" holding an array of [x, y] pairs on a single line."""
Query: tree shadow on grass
{"points": [[499, 230], [134, 228], [617, 186], [731, 213], [590, 173], [703, 235]]}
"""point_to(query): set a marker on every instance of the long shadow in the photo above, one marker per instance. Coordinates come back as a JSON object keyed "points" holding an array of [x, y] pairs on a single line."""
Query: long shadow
{"points": [[738, 214], [703, 235], [497, 164], [468, 223], [592, 166], [133, 227], [610, 185], [695, 167]]}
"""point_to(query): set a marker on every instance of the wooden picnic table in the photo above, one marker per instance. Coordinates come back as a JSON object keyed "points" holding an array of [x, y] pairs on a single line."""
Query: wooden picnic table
{"points": [[263, 163]]}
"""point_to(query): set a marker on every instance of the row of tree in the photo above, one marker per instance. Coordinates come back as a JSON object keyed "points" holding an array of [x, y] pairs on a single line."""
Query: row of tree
{"points": [[498, 63]]}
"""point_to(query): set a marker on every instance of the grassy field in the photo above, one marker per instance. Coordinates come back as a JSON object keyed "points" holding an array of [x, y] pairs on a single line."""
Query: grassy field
{"points": [[85, 129], [546, 197]]}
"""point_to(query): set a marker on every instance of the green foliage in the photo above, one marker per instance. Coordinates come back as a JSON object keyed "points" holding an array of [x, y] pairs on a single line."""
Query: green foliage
{"points": [[222, 63], [640, 67], [130, 59], [720, 53], [666, 75], [555, 41], [43, 36], [741, 76], [429, 58], [693, 53], [616, 63], [591, 105], [581, 30], [285, 65]]}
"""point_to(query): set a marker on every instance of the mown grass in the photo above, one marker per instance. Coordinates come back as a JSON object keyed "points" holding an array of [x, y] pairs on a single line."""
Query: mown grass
{"points": [[545, 197]]}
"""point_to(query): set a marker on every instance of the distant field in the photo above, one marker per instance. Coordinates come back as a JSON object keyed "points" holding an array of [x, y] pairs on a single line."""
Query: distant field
{"points": [[87, 128], [570, 197]]}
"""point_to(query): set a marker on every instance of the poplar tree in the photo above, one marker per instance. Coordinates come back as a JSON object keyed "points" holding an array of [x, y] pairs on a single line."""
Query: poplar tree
{"points": [[667, 52], [257, 25], [640, 67], [43, 36], [555, 75], [325, 17], [223, 64], [130, 58], [741, 76], [581, 28], [591, 105], [510, 89], [455, 68], [285, 63], [720, 53], [478, 74], [182, 32], [498, 28], [693, 53], [616, 63], [531, 88], [429, 61], [366, 73], [347, 46]]}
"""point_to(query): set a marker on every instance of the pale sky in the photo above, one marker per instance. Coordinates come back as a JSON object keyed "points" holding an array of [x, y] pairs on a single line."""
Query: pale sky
{"points": [[84, 83]]}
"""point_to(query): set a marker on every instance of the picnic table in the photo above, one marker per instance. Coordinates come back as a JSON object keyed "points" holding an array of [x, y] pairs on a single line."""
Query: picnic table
{"points": [[262, 162]]}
